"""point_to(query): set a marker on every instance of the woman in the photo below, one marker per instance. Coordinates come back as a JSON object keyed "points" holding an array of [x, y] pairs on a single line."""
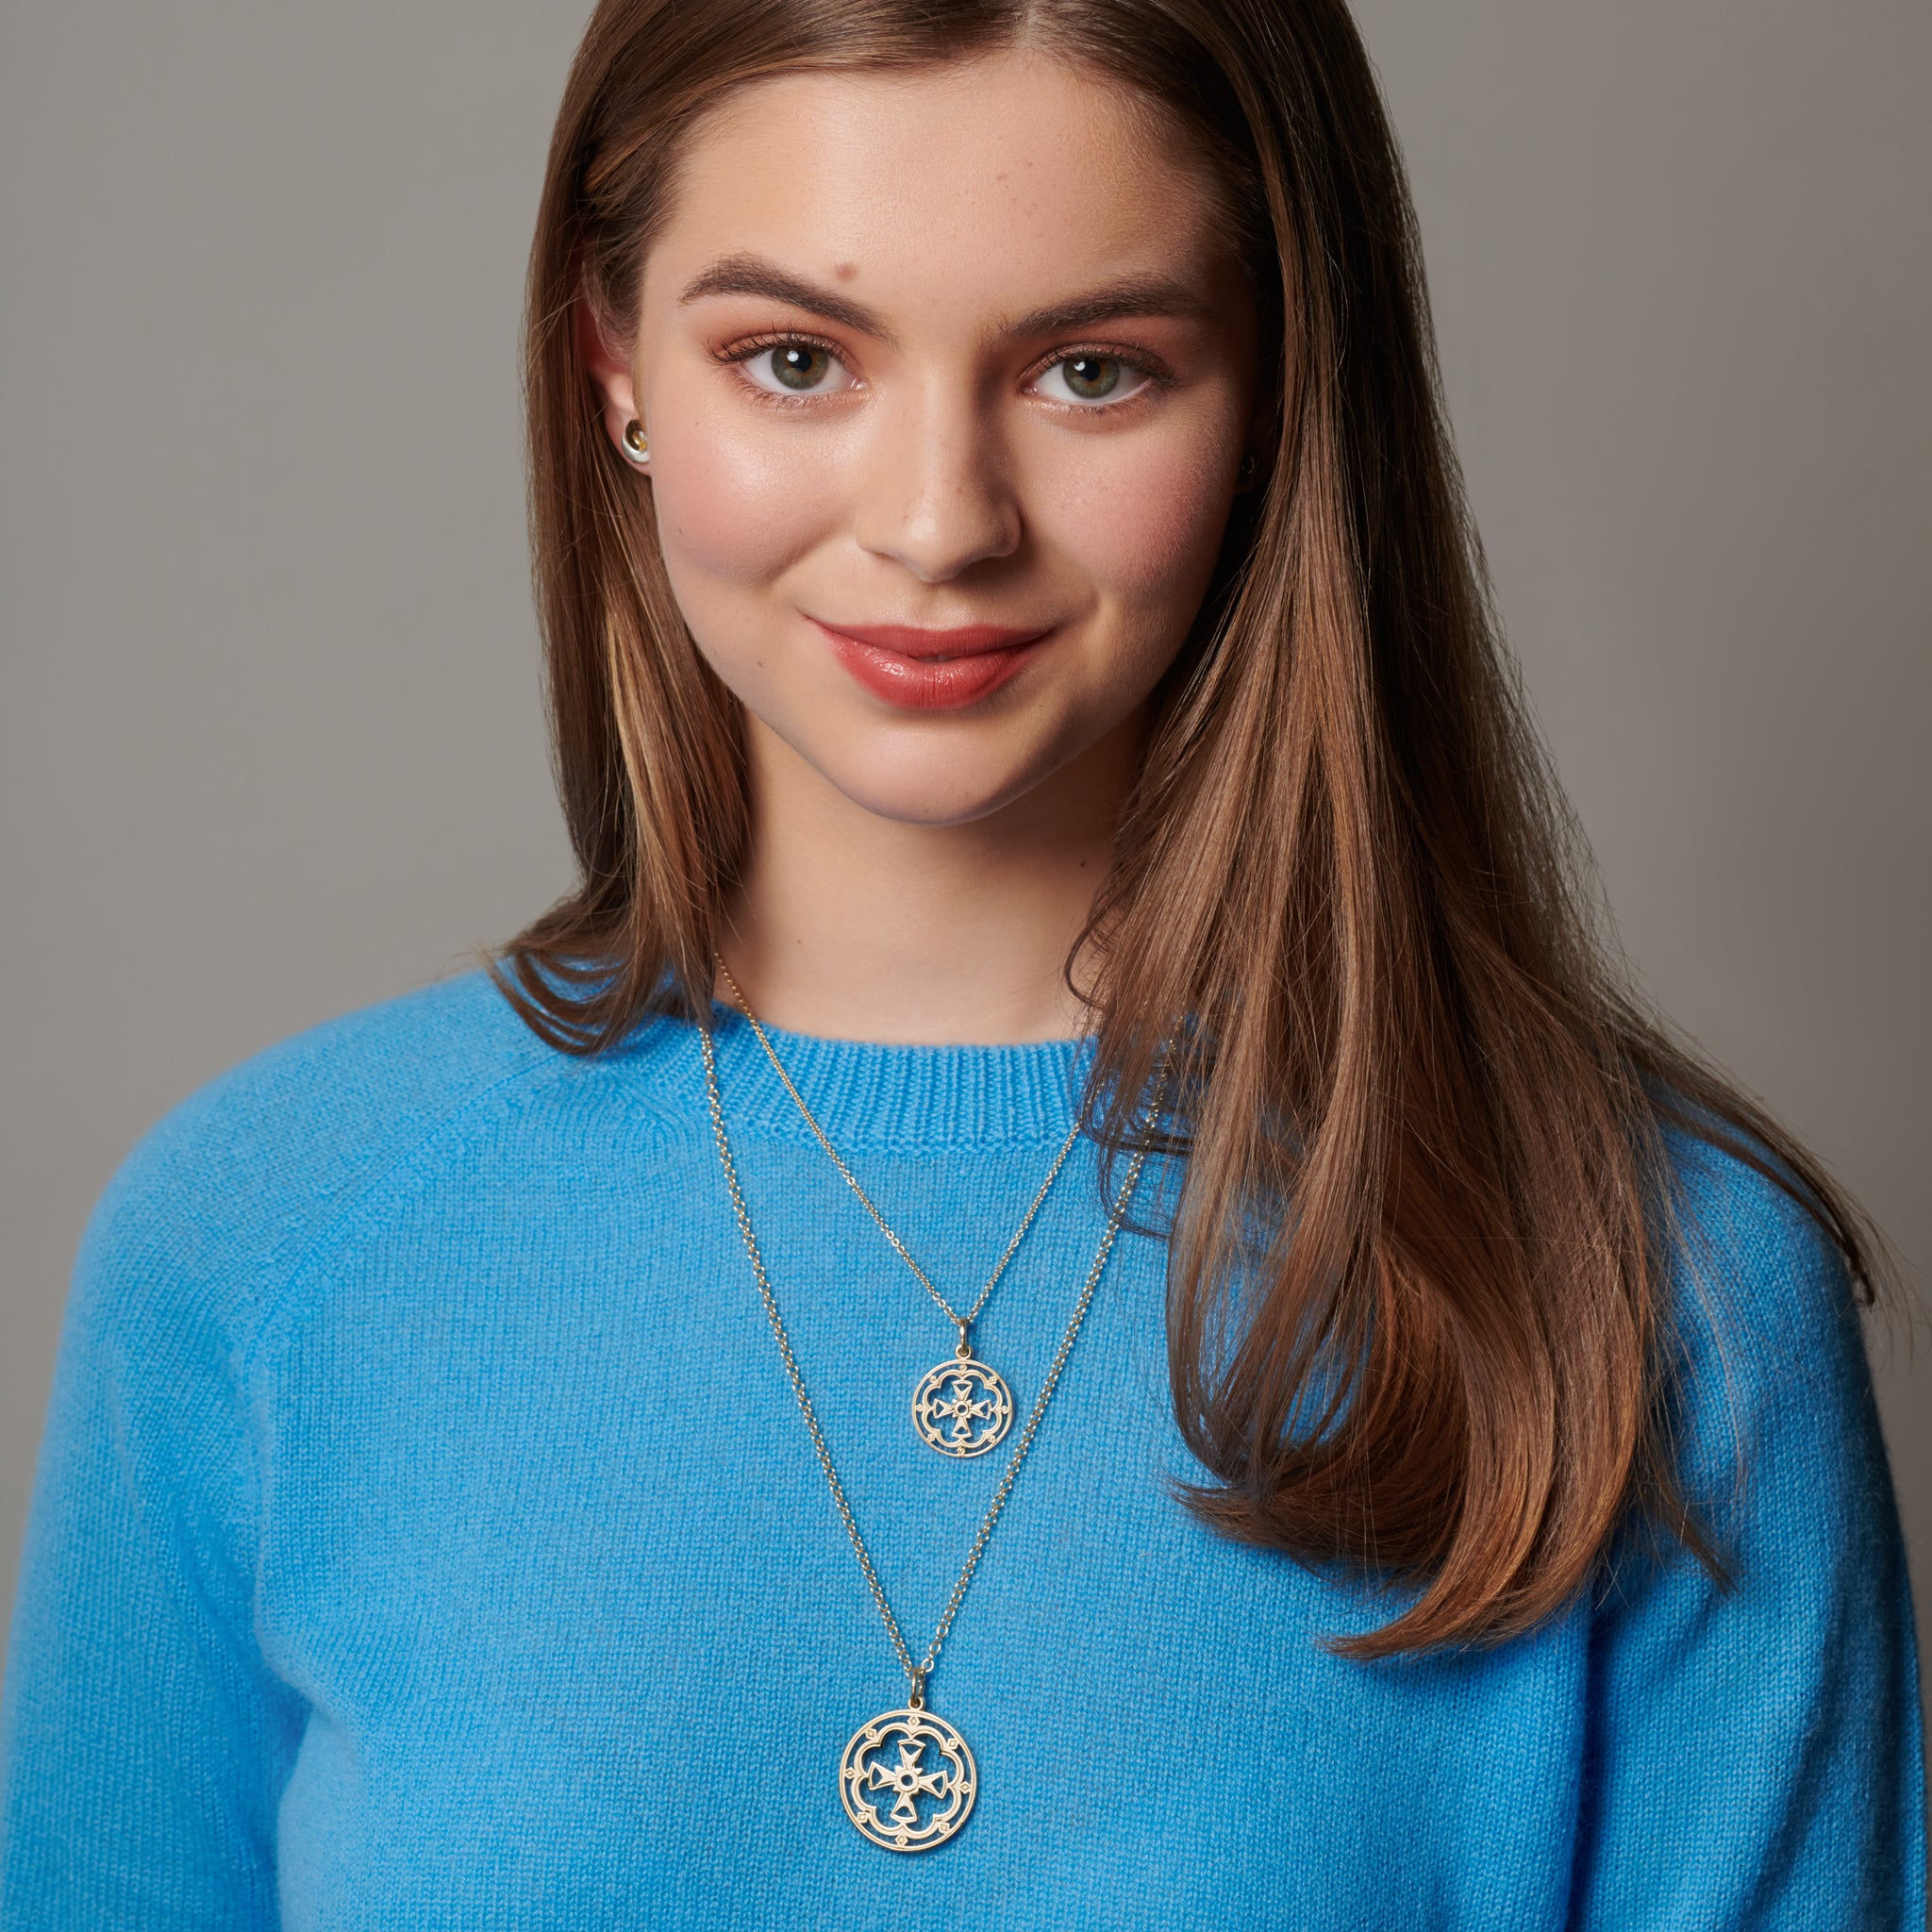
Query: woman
{"points": [[1075, 1110]]}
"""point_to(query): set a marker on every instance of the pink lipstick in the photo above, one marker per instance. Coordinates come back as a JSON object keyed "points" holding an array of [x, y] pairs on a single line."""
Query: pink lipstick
{"points": [[932, 670]]}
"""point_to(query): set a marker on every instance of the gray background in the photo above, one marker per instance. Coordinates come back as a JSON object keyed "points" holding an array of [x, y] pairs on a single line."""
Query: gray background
{"points": [[273, 744]]}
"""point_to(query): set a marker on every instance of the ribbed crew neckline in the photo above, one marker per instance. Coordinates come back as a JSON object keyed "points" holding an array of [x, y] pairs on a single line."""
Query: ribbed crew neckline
{"points": [[868, 1093]]}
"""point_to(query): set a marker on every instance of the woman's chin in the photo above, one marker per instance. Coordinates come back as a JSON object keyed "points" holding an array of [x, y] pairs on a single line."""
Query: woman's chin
{"points": [[936, 785], [922, 799], [938, 772]]}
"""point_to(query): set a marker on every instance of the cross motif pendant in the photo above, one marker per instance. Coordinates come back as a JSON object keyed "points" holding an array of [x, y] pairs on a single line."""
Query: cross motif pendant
{"points": [[907, 1780], [963, 1408]]}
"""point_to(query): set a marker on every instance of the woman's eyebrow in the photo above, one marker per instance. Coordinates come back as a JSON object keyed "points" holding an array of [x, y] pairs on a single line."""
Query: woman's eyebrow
{"points": [[1133, 295], [752, 275]]}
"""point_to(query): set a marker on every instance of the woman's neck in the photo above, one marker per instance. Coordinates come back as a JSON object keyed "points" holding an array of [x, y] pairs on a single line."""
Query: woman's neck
{"points": [[856, 927]]}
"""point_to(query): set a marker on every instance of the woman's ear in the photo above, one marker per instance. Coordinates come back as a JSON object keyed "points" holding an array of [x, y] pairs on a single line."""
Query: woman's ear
{"points": [[609, 369]]}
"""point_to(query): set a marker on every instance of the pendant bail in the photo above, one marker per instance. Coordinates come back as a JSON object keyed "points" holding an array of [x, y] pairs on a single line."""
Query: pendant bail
{"points": [[916, 1698], [965, 1349]]}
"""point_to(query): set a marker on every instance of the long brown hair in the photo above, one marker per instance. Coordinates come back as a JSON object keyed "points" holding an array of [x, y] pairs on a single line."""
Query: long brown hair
{"points": [[1422, 1113]]}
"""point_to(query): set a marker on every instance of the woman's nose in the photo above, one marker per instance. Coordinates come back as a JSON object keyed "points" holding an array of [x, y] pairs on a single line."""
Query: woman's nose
{"points": [[936, 494]]}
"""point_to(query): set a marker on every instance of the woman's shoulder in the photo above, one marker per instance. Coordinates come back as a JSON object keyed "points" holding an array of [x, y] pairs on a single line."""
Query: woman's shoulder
{"points": [[1767, 1326], [317, 1109], [1746, 1244], [238, 1179]]}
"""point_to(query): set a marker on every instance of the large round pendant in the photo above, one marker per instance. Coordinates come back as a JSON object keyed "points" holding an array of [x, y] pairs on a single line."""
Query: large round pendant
{"points": [[961, 1407], [907, 1780]]}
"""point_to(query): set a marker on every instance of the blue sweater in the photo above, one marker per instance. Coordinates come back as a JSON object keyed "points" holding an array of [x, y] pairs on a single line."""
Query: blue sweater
{"points": [[426, 1537]]}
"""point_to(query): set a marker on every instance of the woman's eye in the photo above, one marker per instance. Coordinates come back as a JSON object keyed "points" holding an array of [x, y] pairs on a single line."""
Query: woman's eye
{"points": [[1091, 379], [792, 369]]}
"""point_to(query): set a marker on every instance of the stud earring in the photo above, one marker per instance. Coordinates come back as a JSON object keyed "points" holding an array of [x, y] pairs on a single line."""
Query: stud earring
{"points": [[637, 445]]}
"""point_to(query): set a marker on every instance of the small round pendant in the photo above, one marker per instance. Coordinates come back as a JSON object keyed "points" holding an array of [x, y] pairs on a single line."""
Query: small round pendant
{"points": [[907, 1780], [961, 1407]]}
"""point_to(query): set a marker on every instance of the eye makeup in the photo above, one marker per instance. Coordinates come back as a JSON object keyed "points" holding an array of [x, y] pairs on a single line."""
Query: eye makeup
{"points": [[788, 366]]}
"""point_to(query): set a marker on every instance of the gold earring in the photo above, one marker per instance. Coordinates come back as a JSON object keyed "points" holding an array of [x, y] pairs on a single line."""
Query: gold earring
{"points": [[637, 445]]}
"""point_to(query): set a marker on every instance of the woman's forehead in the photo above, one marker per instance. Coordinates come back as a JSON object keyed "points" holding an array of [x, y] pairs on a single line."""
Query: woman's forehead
{"points": [[1000, 182]]}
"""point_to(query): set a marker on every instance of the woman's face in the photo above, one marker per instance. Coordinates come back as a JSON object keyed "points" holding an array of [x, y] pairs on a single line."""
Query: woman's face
{"points": [[947, 379]]}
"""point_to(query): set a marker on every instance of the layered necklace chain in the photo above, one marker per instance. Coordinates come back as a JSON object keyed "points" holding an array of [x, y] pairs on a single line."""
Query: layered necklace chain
{"points": [[962, 1406], [907, 1778]]}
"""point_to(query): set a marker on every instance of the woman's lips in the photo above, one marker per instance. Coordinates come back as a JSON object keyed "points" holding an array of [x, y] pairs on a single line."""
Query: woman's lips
{"points": [[932, 670]]}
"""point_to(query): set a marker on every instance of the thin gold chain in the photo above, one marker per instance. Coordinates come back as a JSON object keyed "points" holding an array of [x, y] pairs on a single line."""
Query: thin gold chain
{"points": [[960, 1322], [917, 1674]]}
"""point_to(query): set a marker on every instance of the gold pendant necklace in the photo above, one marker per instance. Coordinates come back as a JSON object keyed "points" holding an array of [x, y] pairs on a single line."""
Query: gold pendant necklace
{"points": [[960, 1407], [906, 1779]]}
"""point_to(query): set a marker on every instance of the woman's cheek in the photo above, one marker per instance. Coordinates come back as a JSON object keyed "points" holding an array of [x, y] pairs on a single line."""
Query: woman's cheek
{"points": [[1143, 523], [735, 505]]}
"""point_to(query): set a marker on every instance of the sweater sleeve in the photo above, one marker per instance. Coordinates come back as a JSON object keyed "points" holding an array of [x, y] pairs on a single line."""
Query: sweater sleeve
{"points": [[145, 1742], [1757, 1756]]}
